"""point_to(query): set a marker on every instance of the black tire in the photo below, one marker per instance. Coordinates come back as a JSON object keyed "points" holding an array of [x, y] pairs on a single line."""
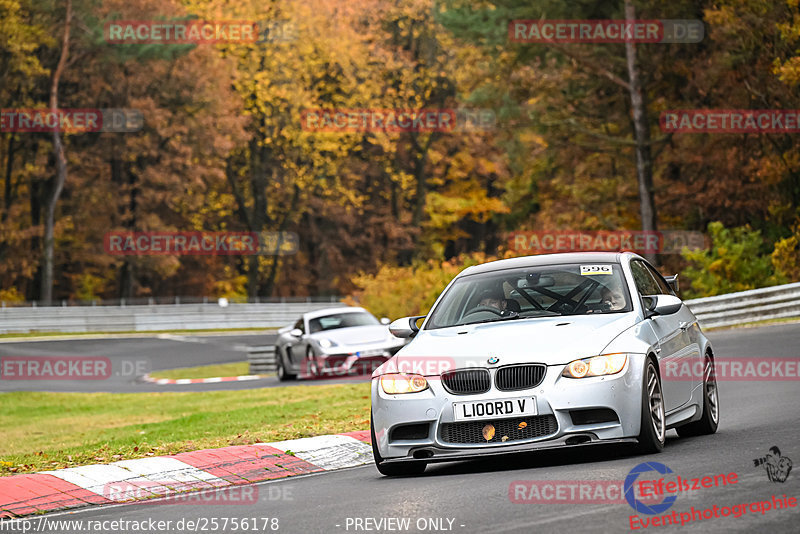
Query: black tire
{"points": [[708, 423], [283, 375], [393, 469], [652, 434]]}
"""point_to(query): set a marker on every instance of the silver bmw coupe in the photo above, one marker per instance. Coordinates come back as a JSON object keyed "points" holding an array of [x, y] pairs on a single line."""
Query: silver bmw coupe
{"points": [[543, 351]]}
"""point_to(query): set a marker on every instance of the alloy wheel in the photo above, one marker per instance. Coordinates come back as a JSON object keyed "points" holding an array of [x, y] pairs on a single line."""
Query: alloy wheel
{"points": [[656, 402], [712, 394]]}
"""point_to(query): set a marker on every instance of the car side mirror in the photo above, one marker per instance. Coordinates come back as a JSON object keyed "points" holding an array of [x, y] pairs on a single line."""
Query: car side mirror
{"points": [[405, 327], [661, 305], [673, 282], [385, 320], [296, 332]]}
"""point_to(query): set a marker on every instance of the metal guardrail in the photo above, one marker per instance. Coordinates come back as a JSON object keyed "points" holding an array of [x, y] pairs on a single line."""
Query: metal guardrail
{"points": [[262, 360], [723, 310], [153, 301], [150, 318], [776, 302]]}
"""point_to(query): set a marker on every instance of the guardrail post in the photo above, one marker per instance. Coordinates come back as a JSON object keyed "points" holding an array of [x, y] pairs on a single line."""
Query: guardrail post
{"points": [[261, 359]]}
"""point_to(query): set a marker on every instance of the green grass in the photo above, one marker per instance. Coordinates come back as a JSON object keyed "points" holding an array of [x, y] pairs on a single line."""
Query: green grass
{"points": [[43, 431], [205, 371], [140, 332]]}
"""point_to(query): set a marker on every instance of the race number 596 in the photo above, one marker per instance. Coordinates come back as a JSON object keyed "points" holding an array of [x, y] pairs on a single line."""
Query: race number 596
{"points": [[595, 269]]}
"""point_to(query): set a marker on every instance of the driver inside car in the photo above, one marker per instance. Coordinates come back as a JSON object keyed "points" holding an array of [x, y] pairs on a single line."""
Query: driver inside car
{"points": [[612, 299], [495, 299], [490, 300]]}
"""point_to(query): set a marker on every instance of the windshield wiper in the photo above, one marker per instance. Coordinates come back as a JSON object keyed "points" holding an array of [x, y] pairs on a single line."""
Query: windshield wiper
{"points": [[511, 315]]}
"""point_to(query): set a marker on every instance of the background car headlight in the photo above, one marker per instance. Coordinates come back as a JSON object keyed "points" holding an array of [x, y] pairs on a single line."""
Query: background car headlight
{"points": [[326, 343], [607, 364], [395, 383]]}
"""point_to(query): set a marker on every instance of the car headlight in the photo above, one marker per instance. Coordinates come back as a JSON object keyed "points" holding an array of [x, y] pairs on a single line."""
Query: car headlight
{"points": [[396, 383], [607, 364], [326, 343]]}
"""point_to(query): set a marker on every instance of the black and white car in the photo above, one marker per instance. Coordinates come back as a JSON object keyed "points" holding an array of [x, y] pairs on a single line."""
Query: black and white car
{"points": [[334, 342]]}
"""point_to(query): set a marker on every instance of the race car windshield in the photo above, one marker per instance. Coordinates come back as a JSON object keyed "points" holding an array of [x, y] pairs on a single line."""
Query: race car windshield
{"points": [[341, 320], [543, 291]]}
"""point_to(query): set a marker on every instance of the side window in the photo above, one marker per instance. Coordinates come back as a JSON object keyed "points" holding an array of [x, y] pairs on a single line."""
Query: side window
{"points": [[299, 324], [644, 280], [663, 286]]}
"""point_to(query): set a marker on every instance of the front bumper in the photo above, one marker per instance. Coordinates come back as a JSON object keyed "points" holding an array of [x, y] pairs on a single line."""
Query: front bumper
{"points": [[361, 360], [559, 402]]}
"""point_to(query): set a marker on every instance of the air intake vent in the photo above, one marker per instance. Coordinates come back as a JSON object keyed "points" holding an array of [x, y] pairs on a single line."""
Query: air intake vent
{"points": [[510, 429], [410, 431], [516, 377], [593, 416], [466, 381]]}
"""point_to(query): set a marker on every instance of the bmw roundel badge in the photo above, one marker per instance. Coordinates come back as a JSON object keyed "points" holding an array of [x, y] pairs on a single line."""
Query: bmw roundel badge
{"points": [[493, 359]]}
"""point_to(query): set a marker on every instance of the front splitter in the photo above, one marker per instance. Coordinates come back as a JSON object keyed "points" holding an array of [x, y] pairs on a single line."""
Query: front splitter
{"points": [[449, 455]]}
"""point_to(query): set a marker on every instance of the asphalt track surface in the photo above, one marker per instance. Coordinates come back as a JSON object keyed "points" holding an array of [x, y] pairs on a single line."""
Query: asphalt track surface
{"points": [[474, 495], [133, 357]]}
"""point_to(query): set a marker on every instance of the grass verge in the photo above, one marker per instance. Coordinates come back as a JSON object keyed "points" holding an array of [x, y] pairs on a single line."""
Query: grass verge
{"points": [[205, 371], [43, 431]]}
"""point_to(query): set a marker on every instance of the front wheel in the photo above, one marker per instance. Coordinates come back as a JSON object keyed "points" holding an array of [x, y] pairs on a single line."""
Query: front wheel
{"points": [[393, 469], [652, 434], [708, 423], [311, 364]]}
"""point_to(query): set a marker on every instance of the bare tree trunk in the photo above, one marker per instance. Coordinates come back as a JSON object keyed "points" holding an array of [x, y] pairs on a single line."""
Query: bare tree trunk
{"points": [[644, 160], [273, 271], [420, 162], [61, 170]]}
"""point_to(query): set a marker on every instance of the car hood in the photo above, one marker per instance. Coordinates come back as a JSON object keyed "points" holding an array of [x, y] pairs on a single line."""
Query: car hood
{"points": [[356, 335], [548, 340]]}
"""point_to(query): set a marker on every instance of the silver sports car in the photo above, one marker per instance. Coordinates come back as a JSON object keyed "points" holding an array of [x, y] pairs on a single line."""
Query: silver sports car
{"points": [[334, 341], [538, 352]]}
